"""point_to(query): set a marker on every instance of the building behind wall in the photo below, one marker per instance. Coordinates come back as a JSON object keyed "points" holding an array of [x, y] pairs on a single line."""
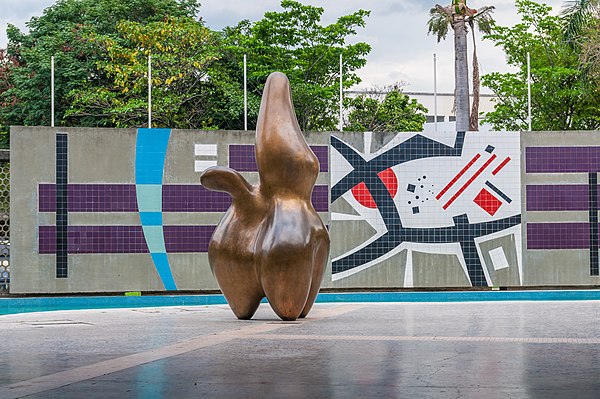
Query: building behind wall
{"points": [[446, 119]]}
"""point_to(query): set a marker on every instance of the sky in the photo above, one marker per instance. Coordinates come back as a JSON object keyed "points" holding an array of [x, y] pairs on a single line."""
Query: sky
{"points": [[396, 30]]}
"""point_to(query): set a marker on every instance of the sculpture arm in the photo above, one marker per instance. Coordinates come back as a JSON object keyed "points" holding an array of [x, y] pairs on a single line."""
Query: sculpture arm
{"points": [[219, 178]]}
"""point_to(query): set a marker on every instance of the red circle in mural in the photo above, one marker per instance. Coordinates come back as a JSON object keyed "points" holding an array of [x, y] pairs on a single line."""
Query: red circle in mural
{"points": [[363, 196]]}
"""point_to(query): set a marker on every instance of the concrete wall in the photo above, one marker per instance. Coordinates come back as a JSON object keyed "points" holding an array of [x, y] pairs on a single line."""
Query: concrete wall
{"points": [[135, 215], [560, 207], [100, 210]]}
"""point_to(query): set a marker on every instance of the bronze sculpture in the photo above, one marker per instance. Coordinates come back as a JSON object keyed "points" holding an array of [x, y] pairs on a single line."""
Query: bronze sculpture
{"points": [[271, 242]]}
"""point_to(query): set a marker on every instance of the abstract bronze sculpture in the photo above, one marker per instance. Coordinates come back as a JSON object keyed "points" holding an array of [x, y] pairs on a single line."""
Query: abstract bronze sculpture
{"points": [[271, 242]]}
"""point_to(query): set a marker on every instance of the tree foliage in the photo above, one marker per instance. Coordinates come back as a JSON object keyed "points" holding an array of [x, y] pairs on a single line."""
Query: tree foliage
{"points": [[101, 49], [564, 97], [590, 52], [181, 50], [6, 65], [294, 42], [390, 112], [577, 15], [62, 32]]}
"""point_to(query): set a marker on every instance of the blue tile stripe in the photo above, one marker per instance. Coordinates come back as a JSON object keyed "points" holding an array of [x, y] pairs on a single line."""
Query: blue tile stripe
{"points": [[150, 153], [155, 239], [149, 197], [161, 262], [151, 218], [40, 304]]}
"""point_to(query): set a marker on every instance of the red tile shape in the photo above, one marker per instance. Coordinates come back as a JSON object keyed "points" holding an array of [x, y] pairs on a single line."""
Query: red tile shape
{"points": [[363, 196], [503, 164], [458, 176], [487, 202], [468, 183]]}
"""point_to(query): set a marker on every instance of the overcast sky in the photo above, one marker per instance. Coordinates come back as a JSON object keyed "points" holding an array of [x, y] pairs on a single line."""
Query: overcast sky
{"points": [[397, 31]]}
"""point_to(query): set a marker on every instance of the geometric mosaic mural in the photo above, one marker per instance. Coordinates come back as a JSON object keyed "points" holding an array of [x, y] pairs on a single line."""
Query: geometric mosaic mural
{"points": [[98, 210], [428, 195]]}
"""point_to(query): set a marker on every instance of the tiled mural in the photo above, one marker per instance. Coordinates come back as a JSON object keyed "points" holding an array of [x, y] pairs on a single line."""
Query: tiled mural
{"points": [[150, 198], [453, 195], [116, 210], [561, 161]]}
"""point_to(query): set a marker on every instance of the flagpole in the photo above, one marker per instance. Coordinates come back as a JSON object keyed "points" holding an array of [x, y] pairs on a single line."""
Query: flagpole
{"points": [[435, 92], [52, 91], [528, 91], [149, 91], [341, 94], [245, 94]]}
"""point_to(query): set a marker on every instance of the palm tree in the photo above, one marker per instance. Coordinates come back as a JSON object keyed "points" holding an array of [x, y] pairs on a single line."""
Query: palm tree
{"points": [[578, 13], [458, 16], [582, 32]]}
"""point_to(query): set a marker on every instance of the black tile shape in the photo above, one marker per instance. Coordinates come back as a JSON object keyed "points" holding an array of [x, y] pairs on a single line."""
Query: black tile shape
{"points": [[593, 219], [61, 205]]}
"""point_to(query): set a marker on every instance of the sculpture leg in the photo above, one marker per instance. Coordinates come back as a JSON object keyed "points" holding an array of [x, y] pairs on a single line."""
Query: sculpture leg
{"points": [[286, 284], [240, 286], [244, 305], [320, 261]]}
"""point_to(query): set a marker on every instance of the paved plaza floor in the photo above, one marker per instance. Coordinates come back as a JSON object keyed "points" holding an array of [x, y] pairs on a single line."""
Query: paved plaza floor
{"points": [[342, 350]]}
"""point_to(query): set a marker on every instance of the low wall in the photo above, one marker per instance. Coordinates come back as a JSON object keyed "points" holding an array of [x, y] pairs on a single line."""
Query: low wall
{"points": [[100, 210]]}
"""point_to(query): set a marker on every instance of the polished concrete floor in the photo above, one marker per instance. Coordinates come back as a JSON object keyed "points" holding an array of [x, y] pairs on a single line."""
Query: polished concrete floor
{"points": [[368, 350]]}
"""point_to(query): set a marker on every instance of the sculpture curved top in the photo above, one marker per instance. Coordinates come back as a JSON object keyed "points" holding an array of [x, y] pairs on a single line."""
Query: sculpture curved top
{"points": [[271, 242], [285, 161]]}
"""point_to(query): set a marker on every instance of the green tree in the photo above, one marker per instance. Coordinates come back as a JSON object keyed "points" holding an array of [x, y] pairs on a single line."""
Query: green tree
{"points": [[294, 42], [563, 95], [62, 31], [181, 50], [460, 18], [395, 112], [101, 47], [6, 65]]}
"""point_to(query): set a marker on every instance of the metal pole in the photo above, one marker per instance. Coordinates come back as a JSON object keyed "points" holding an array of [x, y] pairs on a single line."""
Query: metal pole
{"points": [[245, 95], [341, 94], [149, 92], [528, 92], [434, 92], [52, 91]]}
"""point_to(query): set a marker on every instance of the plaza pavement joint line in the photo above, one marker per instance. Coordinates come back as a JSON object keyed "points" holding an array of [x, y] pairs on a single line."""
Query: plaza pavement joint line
{"points": [[411, 338], [83, 373]]}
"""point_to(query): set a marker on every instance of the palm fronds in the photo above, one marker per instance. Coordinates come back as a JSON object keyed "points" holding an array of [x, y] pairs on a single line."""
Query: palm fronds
{"points": [[577, 13], [439, 21]]}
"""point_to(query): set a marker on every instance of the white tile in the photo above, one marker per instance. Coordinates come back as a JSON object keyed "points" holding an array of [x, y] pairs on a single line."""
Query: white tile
{"points": [[205, 150], [201, 166], [498, 258]]}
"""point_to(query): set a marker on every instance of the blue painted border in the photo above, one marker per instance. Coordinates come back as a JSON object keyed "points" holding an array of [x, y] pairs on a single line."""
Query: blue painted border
{"points": [[460, 296], [40, 304]]}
